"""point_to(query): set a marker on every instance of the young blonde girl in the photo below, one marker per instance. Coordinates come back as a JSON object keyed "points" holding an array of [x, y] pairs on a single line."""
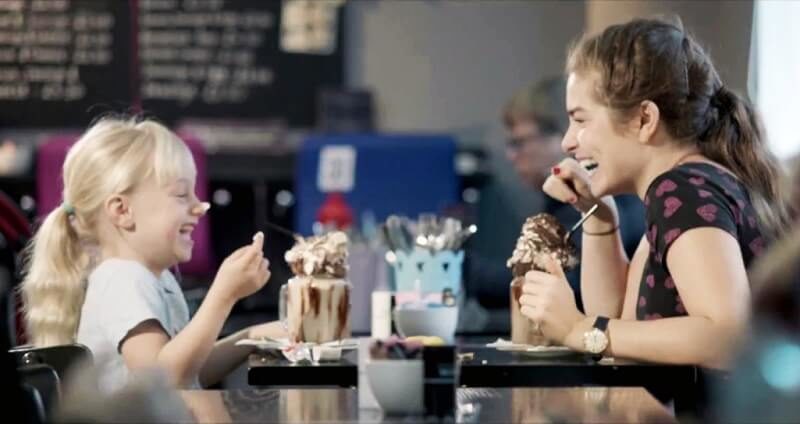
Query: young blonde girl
{"points": [[98, 268]]}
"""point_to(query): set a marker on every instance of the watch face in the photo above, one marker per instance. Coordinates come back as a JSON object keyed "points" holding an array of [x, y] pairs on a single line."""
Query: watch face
{"points": [[595, 341]]}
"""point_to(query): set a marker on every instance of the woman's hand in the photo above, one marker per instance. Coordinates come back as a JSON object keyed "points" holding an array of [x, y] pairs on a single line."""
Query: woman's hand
{"points": [[547, 299], [570, 183]]}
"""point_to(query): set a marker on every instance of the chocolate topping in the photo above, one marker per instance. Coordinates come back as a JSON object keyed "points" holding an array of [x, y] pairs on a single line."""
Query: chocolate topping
{"points": [[321, 256], [541, 234]]}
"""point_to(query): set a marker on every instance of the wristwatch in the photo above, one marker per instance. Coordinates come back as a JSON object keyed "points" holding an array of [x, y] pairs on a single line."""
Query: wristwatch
{"points": [[595, 341]]}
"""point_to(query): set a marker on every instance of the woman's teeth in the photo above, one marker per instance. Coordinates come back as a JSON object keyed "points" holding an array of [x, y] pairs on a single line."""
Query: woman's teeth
{"points": [[589, 165]]}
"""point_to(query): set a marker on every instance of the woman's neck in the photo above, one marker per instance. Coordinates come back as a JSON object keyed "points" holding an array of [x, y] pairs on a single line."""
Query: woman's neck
{"points": [[663, 162]]}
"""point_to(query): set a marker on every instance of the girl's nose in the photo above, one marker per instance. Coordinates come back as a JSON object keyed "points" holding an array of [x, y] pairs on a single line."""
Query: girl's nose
{"points": [[201, 208]]}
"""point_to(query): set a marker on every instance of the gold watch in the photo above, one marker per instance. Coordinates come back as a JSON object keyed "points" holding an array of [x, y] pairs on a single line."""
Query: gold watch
{"points": [[595, 341]]}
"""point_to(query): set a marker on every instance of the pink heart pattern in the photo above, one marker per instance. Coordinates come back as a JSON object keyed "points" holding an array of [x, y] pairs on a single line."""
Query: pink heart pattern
{"points": [[697, 180], [757, 246], [704, 193], [671, 205], [737, 215], [665, 187], [679, 305], [651, 237], [671, 235], [708, 212], [698, 172], [716, 194]]}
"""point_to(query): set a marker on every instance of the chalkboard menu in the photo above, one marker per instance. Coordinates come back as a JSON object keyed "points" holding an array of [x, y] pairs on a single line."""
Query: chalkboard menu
{"points": [[63, 62]]}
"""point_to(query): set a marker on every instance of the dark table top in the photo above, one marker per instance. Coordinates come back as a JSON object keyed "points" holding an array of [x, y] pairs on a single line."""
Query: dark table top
{"points": [[488, 367], [584, 404]]}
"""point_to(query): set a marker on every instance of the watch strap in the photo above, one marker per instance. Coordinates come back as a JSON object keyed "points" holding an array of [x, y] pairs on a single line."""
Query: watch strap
{"points": [[601, 323]]}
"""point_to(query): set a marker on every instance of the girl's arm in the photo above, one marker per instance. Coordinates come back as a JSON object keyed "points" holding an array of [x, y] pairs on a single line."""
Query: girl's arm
{"points": [[147, 345], [226, 356]]}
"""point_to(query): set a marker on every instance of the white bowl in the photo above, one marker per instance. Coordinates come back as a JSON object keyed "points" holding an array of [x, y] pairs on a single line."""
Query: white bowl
{"points": [[439, 321], [397, 384]]}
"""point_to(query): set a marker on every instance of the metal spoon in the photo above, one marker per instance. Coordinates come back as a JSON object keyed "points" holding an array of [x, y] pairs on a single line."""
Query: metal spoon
{"points": [[284, 231], [580, 222]]}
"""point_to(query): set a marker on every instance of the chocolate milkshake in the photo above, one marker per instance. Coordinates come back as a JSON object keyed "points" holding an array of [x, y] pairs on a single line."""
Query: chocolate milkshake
{"points": [[541, 235], [318, 297]]}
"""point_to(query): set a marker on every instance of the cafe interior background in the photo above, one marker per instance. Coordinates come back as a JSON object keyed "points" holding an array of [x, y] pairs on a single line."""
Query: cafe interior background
{"points": [[372, 75]]}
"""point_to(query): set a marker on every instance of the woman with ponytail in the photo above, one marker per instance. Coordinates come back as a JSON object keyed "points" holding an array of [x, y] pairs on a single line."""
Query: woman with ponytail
{"points": [[97, 270], [649, 115]]}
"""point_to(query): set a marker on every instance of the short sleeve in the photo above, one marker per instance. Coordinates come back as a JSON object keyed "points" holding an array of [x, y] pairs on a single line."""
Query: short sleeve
{"points": [[136, 300], [681, 200]]}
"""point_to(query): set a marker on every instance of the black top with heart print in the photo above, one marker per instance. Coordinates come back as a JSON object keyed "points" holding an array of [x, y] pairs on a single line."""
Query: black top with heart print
{"points": [[689, 196]]}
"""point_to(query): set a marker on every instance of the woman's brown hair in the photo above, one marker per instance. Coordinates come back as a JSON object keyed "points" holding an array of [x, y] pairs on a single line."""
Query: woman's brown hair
{"points": [[654, 60]]}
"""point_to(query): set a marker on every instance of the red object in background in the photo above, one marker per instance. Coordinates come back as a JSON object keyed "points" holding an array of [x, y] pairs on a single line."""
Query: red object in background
{"points": [[335, 210]]}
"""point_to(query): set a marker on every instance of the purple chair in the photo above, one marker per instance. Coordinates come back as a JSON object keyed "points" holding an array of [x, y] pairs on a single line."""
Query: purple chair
{"points": [[49, 186]]}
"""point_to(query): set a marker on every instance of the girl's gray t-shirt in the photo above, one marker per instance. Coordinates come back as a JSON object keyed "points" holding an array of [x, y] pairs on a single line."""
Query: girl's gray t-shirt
{"points": [[120, 295]]}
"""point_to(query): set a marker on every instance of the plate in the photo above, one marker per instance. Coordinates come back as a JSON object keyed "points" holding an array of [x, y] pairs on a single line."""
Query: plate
{"points": [[532, 350], [296, 352], [283, 344]]}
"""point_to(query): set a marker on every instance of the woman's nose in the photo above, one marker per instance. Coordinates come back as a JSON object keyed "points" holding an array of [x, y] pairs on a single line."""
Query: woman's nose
{"points": [[570, 142]]}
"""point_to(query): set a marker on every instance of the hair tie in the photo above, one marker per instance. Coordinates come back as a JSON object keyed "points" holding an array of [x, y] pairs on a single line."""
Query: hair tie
{"points": [[69, 209], [719, 99]]}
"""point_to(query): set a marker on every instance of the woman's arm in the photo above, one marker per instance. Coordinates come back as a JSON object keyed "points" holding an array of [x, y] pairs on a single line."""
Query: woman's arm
{"points": [[709, 273], [604, 270], [604, 263]]}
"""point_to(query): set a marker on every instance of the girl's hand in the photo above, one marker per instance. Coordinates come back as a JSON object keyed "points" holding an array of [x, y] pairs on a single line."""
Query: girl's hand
{"points": [[548, 300], [273, 330], [244, 272]]}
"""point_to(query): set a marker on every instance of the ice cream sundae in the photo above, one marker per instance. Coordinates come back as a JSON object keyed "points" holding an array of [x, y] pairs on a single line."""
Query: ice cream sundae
{"points": [[318, 296]]}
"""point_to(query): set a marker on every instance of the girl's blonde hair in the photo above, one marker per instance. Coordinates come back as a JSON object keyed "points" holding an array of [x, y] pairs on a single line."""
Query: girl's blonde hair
{"points": [[112, 157]]}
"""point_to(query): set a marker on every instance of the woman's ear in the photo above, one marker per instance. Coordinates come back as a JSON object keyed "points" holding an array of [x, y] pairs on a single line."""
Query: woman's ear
{"points": [[118, 209], [646, 120]]}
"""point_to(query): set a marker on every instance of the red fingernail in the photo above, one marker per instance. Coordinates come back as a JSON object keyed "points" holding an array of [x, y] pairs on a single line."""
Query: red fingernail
{"points": [[556, 170]]}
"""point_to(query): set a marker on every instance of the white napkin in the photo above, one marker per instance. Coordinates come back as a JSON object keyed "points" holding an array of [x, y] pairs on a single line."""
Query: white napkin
{"points": [[295, 352]]}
